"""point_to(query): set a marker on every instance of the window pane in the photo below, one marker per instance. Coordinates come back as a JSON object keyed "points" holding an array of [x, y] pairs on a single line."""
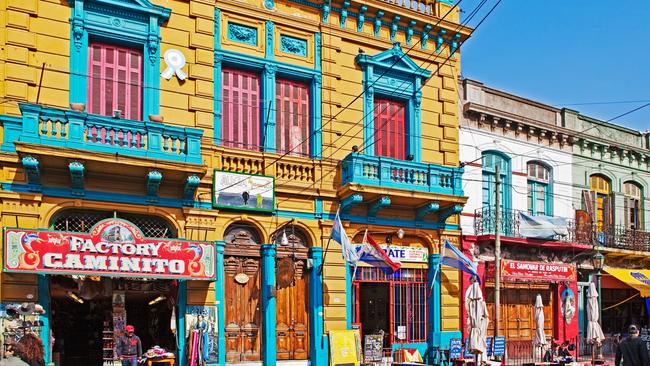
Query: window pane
{"points": [[292, 118], [531, 208], [390, 129], [240, 122]]}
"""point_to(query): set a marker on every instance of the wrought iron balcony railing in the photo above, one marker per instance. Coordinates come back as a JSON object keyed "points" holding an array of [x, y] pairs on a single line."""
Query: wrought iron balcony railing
{"points": [[79, 130], [393, 173], [611, 236]]}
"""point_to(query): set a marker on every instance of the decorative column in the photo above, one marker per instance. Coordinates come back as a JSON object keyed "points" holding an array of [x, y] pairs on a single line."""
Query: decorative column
{"points": [[268, 304], [220, 295], [268, 108], [317, 339], [44, 301], [434, 330]]}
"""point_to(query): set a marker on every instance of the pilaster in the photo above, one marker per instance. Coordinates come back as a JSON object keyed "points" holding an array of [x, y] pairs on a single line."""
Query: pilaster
{"points": [[268, 304]]}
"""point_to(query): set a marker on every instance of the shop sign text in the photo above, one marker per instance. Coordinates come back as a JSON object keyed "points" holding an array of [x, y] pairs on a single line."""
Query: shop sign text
{"points": [[537, 271], [403, 254]]}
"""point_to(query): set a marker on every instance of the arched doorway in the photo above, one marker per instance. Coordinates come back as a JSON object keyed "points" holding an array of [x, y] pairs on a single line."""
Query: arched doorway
{"points": [[292, 299], [242, 293]]}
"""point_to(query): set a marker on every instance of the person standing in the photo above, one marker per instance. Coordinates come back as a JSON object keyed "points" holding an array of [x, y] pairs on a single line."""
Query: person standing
{"points": [[31, 350], [632, 350], [129, 347]]}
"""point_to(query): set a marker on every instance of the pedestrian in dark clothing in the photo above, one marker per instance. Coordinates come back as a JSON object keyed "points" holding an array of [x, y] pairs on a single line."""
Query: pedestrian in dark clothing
{"points": [[129, 347], [632, 350], [31, 350]]}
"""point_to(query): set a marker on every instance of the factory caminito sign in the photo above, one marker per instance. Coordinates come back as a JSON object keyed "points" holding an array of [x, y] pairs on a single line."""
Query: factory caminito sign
{"points": [[114, 247]]}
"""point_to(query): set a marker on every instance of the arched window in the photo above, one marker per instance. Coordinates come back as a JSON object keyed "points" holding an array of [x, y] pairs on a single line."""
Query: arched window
{"points": [[599, 204], [241, 234], [633, 199], [82, 221], [539, 189]]}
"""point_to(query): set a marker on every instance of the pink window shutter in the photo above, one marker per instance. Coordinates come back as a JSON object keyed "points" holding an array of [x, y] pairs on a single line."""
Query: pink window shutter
{"points": [[240, 122], [390, 129], [292, 118], [114, 80]]}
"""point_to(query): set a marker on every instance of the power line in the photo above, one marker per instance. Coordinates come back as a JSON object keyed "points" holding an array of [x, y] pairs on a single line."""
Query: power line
{"points": [[628, 112]]}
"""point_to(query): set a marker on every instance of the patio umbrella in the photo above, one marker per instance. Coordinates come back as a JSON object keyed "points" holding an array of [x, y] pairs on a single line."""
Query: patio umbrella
{"points": [[477, 319], [540, 336], [594, 332]]}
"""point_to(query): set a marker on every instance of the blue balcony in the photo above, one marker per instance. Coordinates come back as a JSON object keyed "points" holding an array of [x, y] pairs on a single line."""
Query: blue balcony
{"points": [[79, 130], [407, 175]]}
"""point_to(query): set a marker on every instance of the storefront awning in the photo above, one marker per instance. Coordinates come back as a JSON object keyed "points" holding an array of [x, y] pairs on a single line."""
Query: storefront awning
{"points": [[636, 278]]}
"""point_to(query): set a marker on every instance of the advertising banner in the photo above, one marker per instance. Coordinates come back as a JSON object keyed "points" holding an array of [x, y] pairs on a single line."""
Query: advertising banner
{"points": [[114, 247], [537, 271], [243, 191], [403, 254]]}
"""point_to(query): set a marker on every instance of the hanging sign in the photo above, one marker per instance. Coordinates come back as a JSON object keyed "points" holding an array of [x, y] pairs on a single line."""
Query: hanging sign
{"points": [[114, 247], [535, 271], [455, 349], [402, 254], [243, 191]]}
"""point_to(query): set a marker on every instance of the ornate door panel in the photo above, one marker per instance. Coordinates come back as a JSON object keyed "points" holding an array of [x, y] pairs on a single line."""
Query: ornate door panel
{"points": [[242, 309], [292, 331]]}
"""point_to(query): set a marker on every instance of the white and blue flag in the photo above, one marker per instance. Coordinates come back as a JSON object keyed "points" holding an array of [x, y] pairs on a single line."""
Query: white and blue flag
{"points": [[348, 250], [453, 257]]}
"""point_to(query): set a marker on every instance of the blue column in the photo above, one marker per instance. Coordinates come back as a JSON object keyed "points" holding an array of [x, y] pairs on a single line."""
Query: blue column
{"points": [[268, 304], [434, 303], [44, 301], [268, 107], [180, 315], [219, 289], [317, 339], [349, 306]]}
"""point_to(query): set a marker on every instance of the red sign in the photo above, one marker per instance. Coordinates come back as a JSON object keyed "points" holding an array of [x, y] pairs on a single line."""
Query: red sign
{"points": [[113, 247], [536, 271]]}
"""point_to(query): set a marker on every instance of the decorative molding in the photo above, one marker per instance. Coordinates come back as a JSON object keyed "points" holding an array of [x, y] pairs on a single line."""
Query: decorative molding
{"points": [[409, 31], [217, 28], [154, 178], [242, 33], [344, 12], [292, 45], [33, 171], [191, 185], [378, 204], [394, 26], [448, 211], [77, 170], [425, 36], [440, 40], [78, 32], [454, 44], [326, 12], [423, 211], [270, 43], [377, 28], [361, 18], [269, 4], [153, 44], [349, 202]]}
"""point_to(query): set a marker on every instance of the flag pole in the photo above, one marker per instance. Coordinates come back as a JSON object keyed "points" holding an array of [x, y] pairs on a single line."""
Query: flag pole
{"points": [[435, 274], [320, 270], [363, 242]]}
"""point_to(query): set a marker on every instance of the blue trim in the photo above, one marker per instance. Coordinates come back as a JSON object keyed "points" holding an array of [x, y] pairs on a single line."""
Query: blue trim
{"points": [[125, 23], [293, 45], [318, 208], [361, 18], [376, 205], [428, 208], [269, 46], [77, 170], [377, 22], [218, 58], [344, 12], [189, 190], [348, 202], [424, 38], [44, 301], [435, 322], [33, 171], [317, 340], [402, 81], [269, 351], [220, 295], [488, 173], [409, 32], [154, 178], [242, 33], [394, 26], [348, 297], [270, 70], [180, 330]]}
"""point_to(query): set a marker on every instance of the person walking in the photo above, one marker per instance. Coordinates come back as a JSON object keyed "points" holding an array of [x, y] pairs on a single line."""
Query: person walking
{"points": [[129, 347], [632, 350], [31, 350], [11, 356]]}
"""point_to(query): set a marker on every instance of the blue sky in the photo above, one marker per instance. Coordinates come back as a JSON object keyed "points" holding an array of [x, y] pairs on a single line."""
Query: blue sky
{"points": [[566, 52]]}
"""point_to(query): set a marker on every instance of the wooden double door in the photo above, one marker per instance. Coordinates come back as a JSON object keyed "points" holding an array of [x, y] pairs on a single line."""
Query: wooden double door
{"points": [[292, 309]]}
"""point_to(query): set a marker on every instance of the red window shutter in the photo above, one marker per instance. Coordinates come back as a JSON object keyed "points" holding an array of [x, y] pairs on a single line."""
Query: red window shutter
{"points": [[114, 80], [390, 128], [292, 130], [240, 121]]}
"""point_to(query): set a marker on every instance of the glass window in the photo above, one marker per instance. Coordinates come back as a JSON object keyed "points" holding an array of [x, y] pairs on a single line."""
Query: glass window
{"points": [[115, 80], [600, 188], [292, 118], [240, 122], [539, 186], [390, 129], [633, 197]]}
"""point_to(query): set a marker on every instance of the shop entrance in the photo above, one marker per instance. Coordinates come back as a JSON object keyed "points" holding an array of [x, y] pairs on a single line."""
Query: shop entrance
{"points": [[373, 307], [88, 314]]}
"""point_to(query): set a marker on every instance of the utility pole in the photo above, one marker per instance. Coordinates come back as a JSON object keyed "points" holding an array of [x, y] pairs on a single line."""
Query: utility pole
{"points": [[497, 252]]}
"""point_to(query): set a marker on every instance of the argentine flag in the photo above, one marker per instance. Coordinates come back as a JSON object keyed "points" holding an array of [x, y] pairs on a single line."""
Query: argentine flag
{"points": [[453, 257], [347, 249]]}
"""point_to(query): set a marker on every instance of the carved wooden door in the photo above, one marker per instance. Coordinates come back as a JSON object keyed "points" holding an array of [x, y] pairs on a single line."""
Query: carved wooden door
{"points": [[242, 309], [292, 319]]}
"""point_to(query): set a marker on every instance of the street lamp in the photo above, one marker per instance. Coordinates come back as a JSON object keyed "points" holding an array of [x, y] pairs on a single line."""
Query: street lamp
{"points": [[598, 261]]}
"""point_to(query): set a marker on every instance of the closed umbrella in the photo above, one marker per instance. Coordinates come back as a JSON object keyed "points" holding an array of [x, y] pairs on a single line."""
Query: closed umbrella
{"points": [[540, 336], [594, 332], [477, 319]]}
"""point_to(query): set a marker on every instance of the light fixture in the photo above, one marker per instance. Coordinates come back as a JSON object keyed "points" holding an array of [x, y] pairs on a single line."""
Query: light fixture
{"points": [[117, 113], [355, 148], [74, 297], [598, 261], [400, 234], [410, 157], [157, 300]]}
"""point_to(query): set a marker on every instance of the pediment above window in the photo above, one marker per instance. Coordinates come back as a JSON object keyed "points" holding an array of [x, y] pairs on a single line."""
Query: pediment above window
{"points": [[129, 9], [394, 59]]}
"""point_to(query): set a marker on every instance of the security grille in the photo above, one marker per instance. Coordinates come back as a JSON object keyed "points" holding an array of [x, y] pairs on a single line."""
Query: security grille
{"points": [[82, 221]]}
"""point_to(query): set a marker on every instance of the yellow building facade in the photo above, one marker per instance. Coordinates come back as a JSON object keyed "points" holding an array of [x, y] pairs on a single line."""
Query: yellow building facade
{"points": [[247, 126]]}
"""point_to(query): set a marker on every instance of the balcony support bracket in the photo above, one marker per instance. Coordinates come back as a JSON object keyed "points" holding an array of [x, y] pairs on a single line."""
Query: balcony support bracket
{"points": [[154, 178], [191, 185], [349, 202], [33, 172], [448, 211], [429, 208], [378, 204], [77, 170]]}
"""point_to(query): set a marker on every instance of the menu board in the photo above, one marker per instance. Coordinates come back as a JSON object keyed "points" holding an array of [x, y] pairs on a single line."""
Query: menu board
{"points": [[372, 348], [455, 348]]}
